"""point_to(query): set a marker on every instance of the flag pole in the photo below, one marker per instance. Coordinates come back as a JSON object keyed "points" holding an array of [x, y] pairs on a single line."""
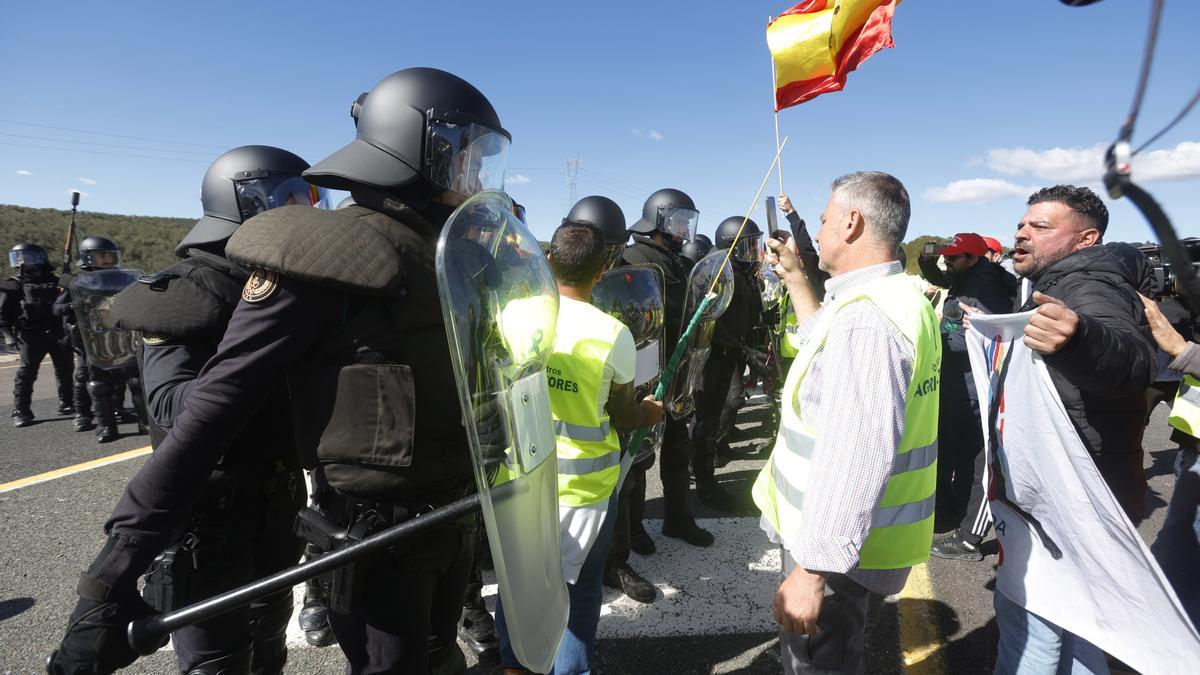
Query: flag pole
{"points": [[775, 107]]}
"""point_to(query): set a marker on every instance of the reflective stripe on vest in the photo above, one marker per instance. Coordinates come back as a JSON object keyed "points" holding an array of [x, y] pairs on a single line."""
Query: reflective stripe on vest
{"points": [[1185, 414], [902, 524], [589, 453]]}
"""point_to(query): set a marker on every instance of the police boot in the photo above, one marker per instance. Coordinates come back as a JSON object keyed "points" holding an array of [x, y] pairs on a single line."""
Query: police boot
{"points": [[623, 578], [314, 616], [237, 663], [270, 622], [688, 531], [478, 630], [22, 397], [65, 407], [106, 415]]}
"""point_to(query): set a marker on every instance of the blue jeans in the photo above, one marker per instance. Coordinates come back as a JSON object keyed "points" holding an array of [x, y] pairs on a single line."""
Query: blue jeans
{"points": [[1177, 547], [577, 647], [1030, 645]]}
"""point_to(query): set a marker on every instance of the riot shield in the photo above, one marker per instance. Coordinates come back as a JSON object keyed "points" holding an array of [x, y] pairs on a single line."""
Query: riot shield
{"points": [[500, 303], [679, 401], [634, 296], [107, 347]]}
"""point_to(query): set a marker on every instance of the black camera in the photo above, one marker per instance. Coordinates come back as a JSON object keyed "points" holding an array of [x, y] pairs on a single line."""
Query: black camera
{"points": [[1165, 279]]}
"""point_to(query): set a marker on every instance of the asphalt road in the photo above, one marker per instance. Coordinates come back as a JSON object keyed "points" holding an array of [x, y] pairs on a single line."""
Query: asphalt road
{"points": [[712, 614]]}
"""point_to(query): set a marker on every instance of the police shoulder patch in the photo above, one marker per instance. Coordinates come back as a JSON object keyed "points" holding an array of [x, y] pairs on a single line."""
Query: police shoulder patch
{"points": [[261, 285], [154, 340]]}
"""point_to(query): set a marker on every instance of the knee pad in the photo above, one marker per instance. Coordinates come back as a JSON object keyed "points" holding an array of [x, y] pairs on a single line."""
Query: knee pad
{"points": [[237, 663], [97, 387], [270, 623]]}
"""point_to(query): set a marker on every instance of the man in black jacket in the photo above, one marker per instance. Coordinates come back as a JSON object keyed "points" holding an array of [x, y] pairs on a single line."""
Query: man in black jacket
{"points": [[973, 280], [1091, 329]]}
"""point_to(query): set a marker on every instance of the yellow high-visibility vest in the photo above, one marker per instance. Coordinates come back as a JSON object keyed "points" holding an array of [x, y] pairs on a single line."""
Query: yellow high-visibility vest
{"points": [[1185, 414], [902, 526], [589, 454]]}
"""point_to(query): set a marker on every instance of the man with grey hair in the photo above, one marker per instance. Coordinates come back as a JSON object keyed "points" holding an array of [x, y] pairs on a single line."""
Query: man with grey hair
{"points": [[848, 493]]}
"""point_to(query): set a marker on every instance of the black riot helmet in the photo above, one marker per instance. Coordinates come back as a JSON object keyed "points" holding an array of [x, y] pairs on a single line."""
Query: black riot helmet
{"points": [[704, 244], [606, 215], [671, 212], [747, 248], [99, 253], [26, 254], [244, 182], [422, 128], [692, 251]]}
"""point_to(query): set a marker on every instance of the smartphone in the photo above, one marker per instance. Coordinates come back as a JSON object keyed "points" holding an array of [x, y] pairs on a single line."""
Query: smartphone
{"points": [[930, 248], [772, 217]]}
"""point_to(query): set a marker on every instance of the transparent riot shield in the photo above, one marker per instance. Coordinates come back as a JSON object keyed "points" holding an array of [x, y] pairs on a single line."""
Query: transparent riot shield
{"points": [[107, 347], [634, 296], [679, 401], [501, 309]]}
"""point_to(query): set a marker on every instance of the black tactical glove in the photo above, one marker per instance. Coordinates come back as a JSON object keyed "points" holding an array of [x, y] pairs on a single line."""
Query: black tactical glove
{"points": [[95, 643], [755, 359]]}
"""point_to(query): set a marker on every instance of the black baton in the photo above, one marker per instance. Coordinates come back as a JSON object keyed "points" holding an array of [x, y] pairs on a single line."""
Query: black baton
{"points": [[147, 634]]}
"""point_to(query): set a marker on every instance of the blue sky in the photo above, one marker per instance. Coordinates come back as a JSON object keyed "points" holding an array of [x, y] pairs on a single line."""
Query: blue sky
{"points": [[1006, 96]]}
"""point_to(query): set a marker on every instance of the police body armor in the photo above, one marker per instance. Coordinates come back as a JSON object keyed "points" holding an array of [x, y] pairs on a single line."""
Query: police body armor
{"points": [[680, 401], [501, 308], [36, 298], [107, 346], [634, 296]]}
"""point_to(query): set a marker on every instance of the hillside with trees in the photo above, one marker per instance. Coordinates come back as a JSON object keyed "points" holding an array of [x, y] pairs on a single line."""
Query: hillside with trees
{"points": [[147, 242]]}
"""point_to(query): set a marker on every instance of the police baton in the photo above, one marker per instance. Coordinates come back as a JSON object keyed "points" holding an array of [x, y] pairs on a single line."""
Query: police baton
{"points": [[146, 635]]}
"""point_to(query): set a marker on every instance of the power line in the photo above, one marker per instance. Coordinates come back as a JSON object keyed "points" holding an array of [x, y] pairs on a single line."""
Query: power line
{"points": [[101, 152], [571, 171], [108, 145], [105, 133]]}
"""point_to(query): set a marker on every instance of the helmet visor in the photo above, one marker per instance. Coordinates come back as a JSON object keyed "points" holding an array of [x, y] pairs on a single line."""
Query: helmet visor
{"points": [[263, 194], [748, 248], [679, 223], [27, 257], [99, 259], [466, 157]]}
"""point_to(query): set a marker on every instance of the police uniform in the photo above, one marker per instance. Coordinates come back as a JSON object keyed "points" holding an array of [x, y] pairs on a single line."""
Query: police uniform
{"points": [[725, 361], [240, 528], [676, 446], [26, 317], [343, 305], [99, 393]]}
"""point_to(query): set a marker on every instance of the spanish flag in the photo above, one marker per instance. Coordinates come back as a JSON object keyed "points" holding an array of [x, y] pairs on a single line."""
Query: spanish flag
{"points": [[817, 43]]}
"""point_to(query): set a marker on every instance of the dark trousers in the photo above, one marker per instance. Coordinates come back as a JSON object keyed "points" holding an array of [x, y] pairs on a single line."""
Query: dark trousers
{"points": [[978, 519], [839, 646], [710, 394], [83, 400], [677, 453], [735, 397], [35, 345], [407, 619], [243, 529], [631, 504], [960, 440]]}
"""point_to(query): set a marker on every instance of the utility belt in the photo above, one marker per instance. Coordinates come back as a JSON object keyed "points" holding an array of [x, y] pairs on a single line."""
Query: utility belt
{"points": [[338, 520], [228, 515]]}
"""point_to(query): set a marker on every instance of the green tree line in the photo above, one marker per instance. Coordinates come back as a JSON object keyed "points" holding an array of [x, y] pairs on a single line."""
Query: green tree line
{"points": [[147, 242]]}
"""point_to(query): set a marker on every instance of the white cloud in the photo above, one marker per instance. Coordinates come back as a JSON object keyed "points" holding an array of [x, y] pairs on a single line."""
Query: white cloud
{"points": [[976, 191], [23, 172], [1086, 165], [654, 135], [516, 179], [87, 181]]}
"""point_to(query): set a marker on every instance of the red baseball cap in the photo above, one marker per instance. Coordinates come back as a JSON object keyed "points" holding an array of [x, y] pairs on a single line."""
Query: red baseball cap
{"points": [[994, 245], [965, 242]]}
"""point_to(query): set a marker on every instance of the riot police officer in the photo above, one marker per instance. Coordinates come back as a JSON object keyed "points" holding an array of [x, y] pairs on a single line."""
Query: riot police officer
{"points": [[669, 218], [27, 323], [99, 390], [344, 303], [728, 357], [240, 528]]}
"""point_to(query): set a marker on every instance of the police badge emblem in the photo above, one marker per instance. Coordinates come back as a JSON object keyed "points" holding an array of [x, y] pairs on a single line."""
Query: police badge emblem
{"points": [[261, 285]]}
